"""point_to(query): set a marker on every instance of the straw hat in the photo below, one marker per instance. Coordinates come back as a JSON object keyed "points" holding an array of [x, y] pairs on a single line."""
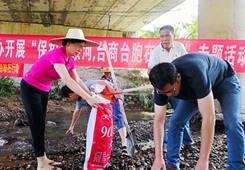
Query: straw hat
{"points": [[106, 70], [76, 34]]}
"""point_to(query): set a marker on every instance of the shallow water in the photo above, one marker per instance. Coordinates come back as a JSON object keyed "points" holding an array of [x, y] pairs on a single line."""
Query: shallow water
{"points": [[18, 138], [14, 139]]}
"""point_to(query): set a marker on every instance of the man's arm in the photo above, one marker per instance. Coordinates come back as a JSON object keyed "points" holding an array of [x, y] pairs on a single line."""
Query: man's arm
{"points": [[206, 108], [183, 50], [103, 82], [75, 117], [152, 61], [149, 70], [158, 132]]}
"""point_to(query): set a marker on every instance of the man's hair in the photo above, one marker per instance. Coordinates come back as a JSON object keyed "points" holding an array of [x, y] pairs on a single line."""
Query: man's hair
{"points": [[163, 74], [65, 91], [167, 27]]}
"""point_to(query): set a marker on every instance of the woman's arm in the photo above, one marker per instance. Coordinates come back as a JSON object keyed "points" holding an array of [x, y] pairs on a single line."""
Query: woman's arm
{"points": [[74, 76], [73, 85]]}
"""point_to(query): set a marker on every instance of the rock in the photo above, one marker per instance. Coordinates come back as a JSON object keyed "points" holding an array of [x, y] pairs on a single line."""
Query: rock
{"points": [[50, 123], [21, 122], [3, 142]]}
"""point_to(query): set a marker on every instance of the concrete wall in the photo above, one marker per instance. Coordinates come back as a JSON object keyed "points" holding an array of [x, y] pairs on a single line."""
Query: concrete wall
{"points": [[39, 29], [223, 19]]}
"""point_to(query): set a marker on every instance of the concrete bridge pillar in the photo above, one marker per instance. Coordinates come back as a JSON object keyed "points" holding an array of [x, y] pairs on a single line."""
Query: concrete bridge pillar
{"points": [[223, 19]]}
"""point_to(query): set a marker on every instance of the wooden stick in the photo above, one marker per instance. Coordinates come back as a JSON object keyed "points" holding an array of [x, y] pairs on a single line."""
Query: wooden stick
{"points": [[115, 82], [138, 88], [128, 90]]}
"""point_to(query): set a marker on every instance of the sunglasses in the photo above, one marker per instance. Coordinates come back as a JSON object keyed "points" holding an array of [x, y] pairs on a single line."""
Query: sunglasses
{"points": [[170, 91], [80, 48]]}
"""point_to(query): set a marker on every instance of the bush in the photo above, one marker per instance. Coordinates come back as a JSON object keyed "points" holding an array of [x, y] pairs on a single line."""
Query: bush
{"points": [[54, 92], [7, 87], [145, 101]]}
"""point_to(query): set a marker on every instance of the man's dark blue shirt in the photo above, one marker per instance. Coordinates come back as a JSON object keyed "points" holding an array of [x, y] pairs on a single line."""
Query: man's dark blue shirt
{"points": [[200, 73]]}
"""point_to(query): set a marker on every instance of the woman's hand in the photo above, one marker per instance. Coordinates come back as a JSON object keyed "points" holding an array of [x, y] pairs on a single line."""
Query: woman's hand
{"points": [[93, 102]]}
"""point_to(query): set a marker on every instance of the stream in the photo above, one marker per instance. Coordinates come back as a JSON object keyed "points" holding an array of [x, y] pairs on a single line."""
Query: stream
{"points": [[14, 139]]}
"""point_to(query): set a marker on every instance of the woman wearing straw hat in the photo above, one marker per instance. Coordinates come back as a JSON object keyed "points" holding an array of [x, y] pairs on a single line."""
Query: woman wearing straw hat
{"points": [[36, 83], [107, 74]]}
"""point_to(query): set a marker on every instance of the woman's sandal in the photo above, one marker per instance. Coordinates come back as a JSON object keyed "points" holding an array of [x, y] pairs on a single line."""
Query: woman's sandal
{"points": [[124, 151], [55, 163]]}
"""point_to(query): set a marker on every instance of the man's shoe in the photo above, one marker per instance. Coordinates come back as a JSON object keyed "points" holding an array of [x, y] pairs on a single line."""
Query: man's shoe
{"points": [[164, 149], [189, 148], [170, 167]]}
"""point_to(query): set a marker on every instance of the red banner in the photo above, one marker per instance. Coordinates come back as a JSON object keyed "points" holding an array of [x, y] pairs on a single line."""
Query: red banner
{"points": [[124, 52], [232, 51]]}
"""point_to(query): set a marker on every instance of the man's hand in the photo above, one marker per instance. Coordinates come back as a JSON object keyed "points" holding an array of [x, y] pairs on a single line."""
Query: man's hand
{"points": [[118, 96], [202, 165], [158, 164], [70, 130]]}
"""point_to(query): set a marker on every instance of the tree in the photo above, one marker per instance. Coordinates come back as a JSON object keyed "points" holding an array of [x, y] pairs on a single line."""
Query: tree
{"points": [[150, 34], [187, 30]]}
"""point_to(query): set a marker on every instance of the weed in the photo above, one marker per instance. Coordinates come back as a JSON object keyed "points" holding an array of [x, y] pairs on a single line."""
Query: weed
{"points": [[144, 99], [145, 102], [7, 87], [55, 90], [3, 104]]}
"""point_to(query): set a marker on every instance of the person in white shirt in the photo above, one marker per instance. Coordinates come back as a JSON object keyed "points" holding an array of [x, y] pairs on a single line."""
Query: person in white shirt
{"points": [[167, 51]]}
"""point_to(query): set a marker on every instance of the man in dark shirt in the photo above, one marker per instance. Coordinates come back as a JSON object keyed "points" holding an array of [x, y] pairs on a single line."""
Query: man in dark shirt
{"points": [[197, 79]]}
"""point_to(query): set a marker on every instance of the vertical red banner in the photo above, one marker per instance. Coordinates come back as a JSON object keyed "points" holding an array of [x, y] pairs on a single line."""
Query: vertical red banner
{"points": [[11, 69]]}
